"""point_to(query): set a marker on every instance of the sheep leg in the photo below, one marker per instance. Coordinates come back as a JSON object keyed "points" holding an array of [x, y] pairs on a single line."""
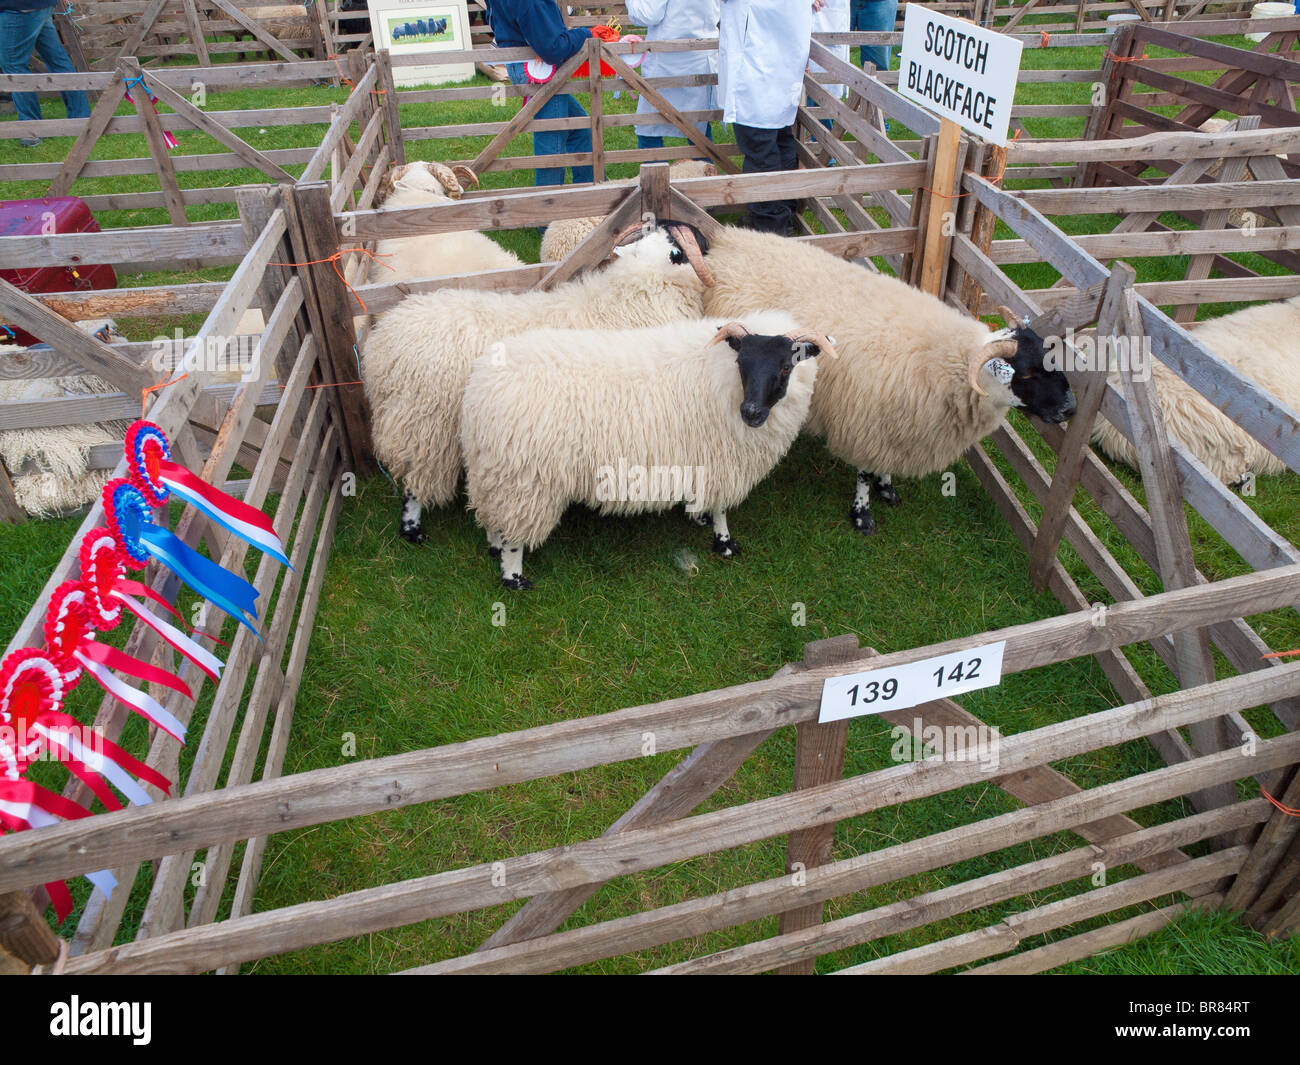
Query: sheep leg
{"points": [[723, 544], [495, 540], [700, 517], [884, 486], [409, 524], [860, 513], [512, 567]]}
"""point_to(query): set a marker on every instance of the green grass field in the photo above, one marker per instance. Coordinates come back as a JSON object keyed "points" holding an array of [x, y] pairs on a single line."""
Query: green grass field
{"points": [[406, 654]]}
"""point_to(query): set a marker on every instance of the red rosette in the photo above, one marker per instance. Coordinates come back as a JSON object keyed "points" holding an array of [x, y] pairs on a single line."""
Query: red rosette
{"points": [[67, 626], [31, 684], [146, 446], [126, 510], [101, 569]]}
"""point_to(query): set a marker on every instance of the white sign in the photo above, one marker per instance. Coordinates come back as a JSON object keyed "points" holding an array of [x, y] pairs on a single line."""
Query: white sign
{"points": [[408, 27], [959, 71], [877, 691]]}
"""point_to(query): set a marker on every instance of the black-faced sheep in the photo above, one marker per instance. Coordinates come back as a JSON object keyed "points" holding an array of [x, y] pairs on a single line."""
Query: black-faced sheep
{"points": [[630, 422], [417, 359], [916, 383], [1263, 344]]}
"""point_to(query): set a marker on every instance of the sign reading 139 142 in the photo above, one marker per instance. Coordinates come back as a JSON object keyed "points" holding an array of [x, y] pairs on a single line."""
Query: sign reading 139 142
{"points": [[960, 71], [878, 691]]}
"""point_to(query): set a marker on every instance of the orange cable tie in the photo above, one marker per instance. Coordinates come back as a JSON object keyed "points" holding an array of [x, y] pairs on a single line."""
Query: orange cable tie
{"points": [[1288, 810], [144, 392], [333, 260]]}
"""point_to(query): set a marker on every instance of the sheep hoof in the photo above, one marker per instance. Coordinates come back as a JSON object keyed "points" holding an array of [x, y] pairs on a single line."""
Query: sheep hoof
{"points": [[517, 584], [860, 518], [413, 533], [727, 548], [888, 495]]}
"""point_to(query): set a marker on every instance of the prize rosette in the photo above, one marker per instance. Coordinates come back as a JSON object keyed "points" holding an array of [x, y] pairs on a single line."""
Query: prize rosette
{"points": [[31, 685], [146, 449], [67, 626], [102, 571], [539, 72]]}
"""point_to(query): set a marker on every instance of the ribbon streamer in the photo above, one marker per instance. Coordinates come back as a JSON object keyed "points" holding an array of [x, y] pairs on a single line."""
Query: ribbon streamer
{"points": [[142, 703], [209, 663]]}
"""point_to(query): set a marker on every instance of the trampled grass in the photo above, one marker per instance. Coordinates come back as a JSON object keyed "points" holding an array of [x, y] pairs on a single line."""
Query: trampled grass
{"points": [[408, 651]]}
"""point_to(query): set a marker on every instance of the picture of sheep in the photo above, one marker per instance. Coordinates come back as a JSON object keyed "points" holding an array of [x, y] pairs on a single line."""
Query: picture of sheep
{"points": [[417, 359], [422, 30], [544, 424], [917, 382], [1261, 343]]}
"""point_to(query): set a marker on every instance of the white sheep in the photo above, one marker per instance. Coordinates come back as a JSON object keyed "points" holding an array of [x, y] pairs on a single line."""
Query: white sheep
{"points": [[64, 480], [432, 254], [1263, 344], [917, 382], [565, 234], [630, 422], [417, 359]]}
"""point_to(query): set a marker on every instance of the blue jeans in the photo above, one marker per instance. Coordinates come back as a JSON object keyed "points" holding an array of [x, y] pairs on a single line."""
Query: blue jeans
{"points": [[874, 16], [20, 32], [560, 141], [658, 142]]}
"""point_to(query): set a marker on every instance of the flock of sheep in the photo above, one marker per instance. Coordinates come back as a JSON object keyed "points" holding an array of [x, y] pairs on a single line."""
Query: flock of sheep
{"points": [[716, 362], [420, 28]]}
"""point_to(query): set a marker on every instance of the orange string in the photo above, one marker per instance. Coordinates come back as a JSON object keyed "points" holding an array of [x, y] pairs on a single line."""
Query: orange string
{"points": [[343, 77], [1280, 654], [1125, 58], [1289, 811], [144, 392], [945, 195], [1044, 39], [334, 261]]}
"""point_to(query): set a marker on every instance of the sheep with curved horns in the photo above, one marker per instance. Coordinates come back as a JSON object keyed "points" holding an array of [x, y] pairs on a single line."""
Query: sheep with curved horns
{"points": [[417, 359], [64, 480], [631, 422], [917, 382], [432, 254], [564, 234], [1261, 343]]}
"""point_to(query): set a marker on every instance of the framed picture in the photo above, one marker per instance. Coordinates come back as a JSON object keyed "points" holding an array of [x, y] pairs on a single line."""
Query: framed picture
{"points": [[410, 27]]}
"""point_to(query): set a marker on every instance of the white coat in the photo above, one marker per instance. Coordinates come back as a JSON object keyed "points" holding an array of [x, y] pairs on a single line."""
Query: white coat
{"points": [[832, 18], [762, 53], [671, 20]]}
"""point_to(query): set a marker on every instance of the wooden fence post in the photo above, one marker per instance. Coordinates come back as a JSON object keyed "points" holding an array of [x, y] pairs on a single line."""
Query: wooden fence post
{"points": [[392, 120], [818, 759], [595, 85], [23, 932], [332, 320], [1111, 322], [945, 181]]}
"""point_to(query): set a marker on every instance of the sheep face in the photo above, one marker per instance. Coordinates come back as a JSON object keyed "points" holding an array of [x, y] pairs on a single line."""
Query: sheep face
{"points": [[1013, 372], [436, 179], [765, 363], [674, 243]]}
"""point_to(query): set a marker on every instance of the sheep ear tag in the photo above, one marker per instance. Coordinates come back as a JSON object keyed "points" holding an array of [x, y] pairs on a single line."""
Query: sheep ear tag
{"points": [[148, 457]]}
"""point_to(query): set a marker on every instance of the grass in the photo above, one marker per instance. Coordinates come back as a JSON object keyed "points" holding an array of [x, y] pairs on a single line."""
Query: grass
{"points": [[410, 651]]}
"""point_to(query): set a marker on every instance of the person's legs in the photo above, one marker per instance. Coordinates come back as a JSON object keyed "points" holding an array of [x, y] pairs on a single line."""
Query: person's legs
{"points": [[57, 61], [874, 16], [762, 155], [18, 33], [649, 142], [578, 140]]}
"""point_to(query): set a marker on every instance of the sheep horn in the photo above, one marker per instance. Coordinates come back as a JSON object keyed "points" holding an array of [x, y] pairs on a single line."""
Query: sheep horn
{"points": [[447, 178], [621, 239], [999, 349], [731, 329], [1010, 317], [691, 249], [385, 188], [820, 339], [467, 176]]}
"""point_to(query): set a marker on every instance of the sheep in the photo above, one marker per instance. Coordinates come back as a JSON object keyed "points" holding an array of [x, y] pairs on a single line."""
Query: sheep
{"points": [[63, 452], [917, 382], [1263, 344], [565, 234], [630, 422], [433, 254], [416, 361]]}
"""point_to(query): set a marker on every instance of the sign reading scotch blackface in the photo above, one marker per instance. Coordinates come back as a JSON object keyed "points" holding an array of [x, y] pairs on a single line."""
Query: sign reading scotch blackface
{"points": [[959, 71]]}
